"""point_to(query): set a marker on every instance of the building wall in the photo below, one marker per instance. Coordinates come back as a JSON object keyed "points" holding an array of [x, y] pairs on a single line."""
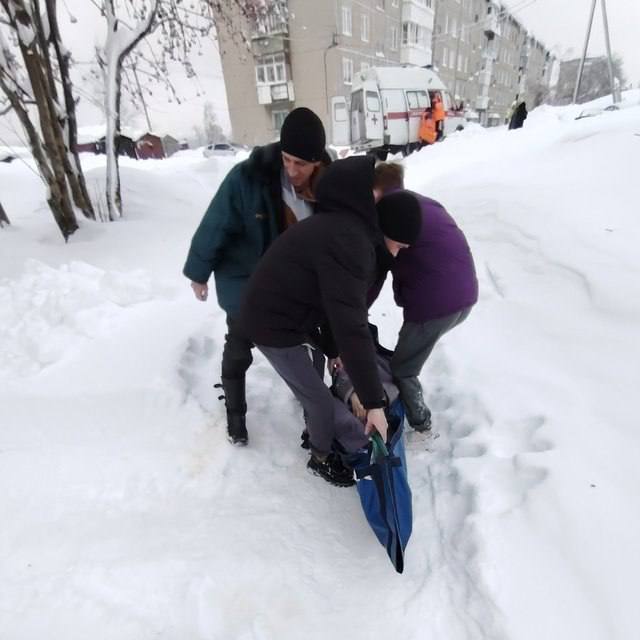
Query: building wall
{"points": [[250, 121], [457, 46], [482, 53], [486, 58]]}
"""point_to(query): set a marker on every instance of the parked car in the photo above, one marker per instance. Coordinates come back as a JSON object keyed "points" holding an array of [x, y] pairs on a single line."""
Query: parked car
{"points": [[220, 149]]}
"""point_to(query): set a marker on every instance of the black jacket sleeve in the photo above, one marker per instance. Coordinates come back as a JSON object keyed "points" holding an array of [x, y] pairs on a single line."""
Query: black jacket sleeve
{"points": [[344, 274]]}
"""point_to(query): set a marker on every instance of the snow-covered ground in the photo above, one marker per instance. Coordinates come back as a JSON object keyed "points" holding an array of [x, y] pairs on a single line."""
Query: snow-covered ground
{"points": [[126, 514]]}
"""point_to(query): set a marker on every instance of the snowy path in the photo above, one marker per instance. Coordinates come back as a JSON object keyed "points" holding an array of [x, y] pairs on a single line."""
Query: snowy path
{"points": [[126, 513]]}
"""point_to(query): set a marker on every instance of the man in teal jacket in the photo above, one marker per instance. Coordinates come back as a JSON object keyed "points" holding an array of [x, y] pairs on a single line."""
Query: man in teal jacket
{"points": [[257, 201]]}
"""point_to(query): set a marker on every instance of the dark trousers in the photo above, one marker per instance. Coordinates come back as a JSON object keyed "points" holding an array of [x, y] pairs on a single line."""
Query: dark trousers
{"points": [[236, 355], [327, 417], [415, 344]]}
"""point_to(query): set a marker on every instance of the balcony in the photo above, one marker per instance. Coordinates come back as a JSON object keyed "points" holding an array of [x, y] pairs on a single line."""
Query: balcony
{"points": [[482, 103], [279, 92], [418, 12], [484, 78], [490, 52], [415, 55], [265, 45], [491, 26]]}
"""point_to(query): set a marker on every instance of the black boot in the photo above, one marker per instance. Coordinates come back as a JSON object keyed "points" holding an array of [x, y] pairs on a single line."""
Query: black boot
{"points": [[332, 469], [235, 401]]}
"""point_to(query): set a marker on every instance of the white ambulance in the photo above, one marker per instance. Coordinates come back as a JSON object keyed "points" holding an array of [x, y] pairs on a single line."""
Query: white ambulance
{"points": [[383, 113]]}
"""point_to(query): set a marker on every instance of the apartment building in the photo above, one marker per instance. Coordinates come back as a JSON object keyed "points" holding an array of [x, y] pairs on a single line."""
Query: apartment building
{"points": [[304, 52], [486, 57], [458, 41]]}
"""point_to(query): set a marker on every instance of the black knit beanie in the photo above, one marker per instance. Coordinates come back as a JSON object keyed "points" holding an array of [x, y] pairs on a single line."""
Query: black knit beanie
{"points": [[400, 216], [302, 135]]}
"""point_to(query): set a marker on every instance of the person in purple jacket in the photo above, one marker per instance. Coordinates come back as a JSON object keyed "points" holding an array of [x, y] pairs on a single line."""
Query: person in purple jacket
{"points": [[434, 281]]}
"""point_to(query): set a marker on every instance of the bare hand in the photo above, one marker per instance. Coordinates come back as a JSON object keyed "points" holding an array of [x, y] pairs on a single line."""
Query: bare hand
{"points": [[201, 291], [378, 421], [356, 406], [334, 364]]}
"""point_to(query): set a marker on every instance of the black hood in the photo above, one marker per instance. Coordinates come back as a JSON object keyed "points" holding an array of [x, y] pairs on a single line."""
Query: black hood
{"points": [[347, 186]]}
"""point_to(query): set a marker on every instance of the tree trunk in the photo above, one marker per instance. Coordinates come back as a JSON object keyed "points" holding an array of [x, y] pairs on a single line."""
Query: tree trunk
{"points": [[48, 151], [114, 198], [73, 167], [3, 217], [59, 197], [115, 55]]}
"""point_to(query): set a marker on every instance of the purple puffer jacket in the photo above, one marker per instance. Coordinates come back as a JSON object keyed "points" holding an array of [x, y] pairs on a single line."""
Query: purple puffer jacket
{"points": [[435, 277]]}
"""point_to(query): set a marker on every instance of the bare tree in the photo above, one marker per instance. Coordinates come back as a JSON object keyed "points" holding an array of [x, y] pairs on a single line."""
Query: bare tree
{"points": [[179, 26], [33, 65], [212, 130]]}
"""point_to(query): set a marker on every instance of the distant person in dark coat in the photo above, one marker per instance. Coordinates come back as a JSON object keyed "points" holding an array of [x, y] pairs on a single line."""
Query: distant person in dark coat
{"points": [[318, 275], [519, 116], [434, 281], [260, 198]]}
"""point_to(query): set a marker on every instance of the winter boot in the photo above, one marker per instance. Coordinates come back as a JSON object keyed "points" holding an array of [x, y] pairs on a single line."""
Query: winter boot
{"points": [[332, 469], [425, 425], [236, 404]]}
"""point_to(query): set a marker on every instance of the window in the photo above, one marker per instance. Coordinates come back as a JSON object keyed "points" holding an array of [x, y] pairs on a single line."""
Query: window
{"points": [[395, 3], [346, 21], [454, 28], [452, 59], [380, 4], [271, 23], [364, 27], [417, 99], [278, 119], [347, 70], [373, 101], [445, 56], [271, 69], [364, 66], [357, 102], [394, 38], [446, 24], [340, 112], [414, 34]]}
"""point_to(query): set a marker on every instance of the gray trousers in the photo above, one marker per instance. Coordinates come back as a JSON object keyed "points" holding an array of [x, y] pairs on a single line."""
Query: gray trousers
{"points": [[327, 417], [415, 344]]}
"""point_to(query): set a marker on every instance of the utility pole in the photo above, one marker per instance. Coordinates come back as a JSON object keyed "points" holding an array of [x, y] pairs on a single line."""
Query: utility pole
{"points": [[584, 53], [614, 94]]}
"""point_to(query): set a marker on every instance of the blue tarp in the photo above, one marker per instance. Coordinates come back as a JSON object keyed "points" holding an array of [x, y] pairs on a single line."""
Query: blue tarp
{"points": [[384, 491]]}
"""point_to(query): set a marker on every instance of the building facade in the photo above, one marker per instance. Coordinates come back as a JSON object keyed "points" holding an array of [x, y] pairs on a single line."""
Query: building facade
{"points": [[487, 59], [304, 52]]}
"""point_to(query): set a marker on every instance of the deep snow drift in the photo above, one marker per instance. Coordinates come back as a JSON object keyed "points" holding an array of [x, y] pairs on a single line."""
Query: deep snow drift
{"points": [[127, 515]]}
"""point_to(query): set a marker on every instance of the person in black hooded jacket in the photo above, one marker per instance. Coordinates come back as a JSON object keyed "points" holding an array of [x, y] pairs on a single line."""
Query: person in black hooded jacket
{"points": [[318, 273]]}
